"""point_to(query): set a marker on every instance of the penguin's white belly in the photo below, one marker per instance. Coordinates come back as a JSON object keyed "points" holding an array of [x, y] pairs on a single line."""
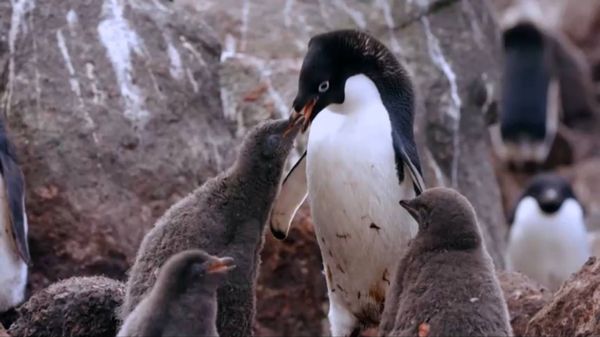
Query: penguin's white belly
{"points": [[13, 271], [548, 248], [354, 196]]}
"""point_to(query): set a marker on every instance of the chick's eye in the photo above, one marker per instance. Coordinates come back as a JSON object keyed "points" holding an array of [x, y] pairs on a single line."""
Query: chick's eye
{"points": [[324, 86]]}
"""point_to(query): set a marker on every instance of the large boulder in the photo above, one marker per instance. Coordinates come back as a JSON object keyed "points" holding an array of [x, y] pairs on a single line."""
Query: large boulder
{"points": [[574, 308], [115, 109]]}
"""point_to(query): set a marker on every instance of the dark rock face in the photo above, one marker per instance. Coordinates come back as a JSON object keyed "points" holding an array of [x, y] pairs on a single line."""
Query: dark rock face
{"points": [[79, 306], [116, 113], [523, 297], [574, 308]]}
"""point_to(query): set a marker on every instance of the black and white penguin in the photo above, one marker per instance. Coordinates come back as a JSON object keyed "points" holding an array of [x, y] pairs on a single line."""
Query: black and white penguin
{"points": [[548, 239], [14, 249], [546, 80], [361, 160]]}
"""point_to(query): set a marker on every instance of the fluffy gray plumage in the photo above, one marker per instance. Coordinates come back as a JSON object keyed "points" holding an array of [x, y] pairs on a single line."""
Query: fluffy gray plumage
{"points": [[78, 306], [225, 217], [445, 283], [183, 302]]}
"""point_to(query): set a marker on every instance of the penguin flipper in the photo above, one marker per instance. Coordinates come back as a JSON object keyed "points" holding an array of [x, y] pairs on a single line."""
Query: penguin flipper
{"points": [[292, 194], [15, 199]]}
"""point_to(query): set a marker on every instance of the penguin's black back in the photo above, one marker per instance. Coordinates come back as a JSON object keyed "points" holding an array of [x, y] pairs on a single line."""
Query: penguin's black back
{"points": [[525, 84]]}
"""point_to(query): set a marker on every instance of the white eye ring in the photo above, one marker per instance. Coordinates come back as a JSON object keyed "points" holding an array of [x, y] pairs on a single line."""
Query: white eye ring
{"points": [[324, 86]]}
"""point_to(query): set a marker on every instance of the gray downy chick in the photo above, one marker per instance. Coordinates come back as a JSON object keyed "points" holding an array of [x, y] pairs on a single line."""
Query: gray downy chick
{"points": [[225, 217], [445, 285], [183, 302]]}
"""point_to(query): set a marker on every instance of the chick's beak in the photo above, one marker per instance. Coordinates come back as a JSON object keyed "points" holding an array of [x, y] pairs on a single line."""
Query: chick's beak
{"points": [[304, 116], [221, 265]]}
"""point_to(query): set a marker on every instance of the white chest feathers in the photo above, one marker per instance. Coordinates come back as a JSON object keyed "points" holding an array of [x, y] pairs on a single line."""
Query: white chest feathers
{"points": [[548, 248], [354, 193], [13, 271]]}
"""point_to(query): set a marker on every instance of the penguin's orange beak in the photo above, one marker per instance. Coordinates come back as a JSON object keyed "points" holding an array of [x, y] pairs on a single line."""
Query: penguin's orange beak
{"points": [[221, 265], [303, 116]]}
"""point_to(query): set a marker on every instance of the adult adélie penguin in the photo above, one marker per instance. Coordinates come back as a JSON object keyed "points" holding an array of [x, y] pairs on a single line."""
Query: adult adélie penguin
{"points": [[14, 249], [361, 160]]}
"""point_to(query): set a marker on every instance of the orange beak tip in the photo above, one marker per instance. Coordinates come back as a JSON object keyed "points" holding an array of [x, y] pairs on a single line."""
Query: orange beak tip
{"points": [[222, 265]]}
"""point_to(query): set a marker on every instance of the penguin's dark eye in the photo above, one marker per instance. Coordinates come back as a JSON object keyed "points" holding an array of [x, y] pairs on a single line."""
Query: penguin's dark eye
{"points": [[271, 145], [324, 86], [197, 269]]}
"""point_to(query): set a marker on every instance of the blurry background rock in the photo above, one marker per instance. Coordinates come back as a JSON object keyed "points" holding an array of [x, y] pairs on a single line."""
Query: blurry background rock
{"points": [[573, 310], [121, 107], [524, 299]]}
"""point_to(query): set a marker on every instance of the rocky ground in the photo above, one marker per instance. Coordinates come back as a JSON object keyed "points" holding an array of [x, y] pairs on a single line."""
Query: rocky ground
{"points": [[119, 108]]}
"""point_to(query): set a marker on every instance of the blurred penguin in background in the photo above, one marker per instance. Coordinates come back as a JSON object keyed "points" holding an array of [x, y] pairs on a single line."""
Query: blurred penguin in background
{"points": [[546, 80], [14, 249], [548, 239]]}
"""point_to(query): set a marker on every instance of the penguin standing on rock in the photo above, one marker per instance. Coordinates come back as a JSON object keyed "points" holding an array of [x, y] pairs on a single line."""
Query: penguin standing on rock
{"points": [[361, 160], [445, 284], [548, 238], [225, 217], [183, 302], [14, 249]]}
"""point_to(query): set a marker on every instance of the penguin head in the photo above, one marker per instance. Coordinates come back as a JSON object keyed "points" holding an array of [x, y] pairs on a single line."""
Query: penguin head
{"points": [[446, 219], [550, 191], [194, 269], [266, 147], [331, 59]]}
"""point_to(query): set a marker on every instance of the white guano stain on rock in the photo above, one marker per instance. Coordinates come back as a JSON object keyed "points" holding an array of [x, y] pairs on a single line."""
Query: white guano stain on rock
{"points": [[120, 42], [192, 80], [176, 67], [420, 3], [73, 80], [72, 18], [228, 48], [384, 5], [20, 8], [356, 15], [91, 75], [197, 55], [287, 10], [438, 58], [245, 23]]}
